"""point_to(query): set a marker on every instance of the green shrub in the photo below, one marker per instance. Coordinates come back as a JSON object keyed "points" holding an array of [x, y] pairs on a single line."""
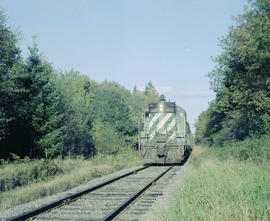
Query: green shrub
{"points": [[22, 172], [106, 139], [253, 149]]}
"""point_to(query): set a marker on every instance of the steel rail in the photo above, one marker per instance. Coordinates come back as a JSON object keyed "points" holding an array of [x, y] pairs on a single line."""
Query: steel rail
{"points": [[67, 199], [132, 198]]}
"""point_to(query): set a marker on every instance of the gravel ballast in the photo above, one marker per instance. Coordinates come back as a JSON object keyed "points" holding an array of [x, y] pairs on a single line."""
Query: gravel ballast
{"points": [[152, 214], [164, 201]]}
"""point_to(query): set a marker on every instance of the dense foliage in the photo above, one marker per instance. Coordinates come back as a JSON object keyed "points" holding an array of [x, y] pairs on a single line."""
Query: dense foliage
{"points": [[48, 113], [241, 80]]}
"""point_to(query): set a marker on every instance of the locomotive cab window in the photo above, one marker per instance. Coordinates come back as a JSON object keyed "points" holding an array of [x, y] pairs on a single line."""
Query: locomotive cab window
{"points": [[162, 107]]}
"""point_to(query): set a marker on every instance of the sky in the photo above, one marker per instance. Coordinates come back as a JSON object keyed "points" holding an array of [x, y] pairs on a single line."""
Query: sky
{"points": [[132, 42]]}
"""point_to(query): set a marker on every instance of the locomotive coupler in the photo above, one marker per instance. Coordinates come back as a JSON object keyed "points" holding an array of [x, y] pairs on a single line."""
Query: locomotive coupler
{"points": [[160, 150]]}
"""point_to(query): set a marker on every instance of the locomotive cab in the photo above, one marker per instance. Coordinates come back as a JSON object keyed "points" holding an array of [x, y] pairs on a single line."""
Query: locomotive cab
{"points": [[161, 107]]}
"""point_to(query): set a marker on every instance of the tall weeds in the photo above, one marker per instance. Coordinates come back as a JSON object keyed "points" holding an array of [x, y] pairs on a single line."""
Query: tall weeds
{"points": [[29, 181], [229, 183]]}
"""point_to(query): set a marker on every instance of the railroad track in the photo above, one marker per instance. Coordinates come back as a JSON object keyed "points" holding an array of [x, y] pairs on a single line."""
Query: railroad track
{"points": [[122, 198]]}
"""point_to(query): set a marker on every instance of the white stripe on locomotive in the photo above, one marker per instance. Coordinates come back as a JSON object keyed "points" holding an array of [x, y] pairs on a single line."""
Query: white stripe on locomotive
{"points": [[155, 118]]}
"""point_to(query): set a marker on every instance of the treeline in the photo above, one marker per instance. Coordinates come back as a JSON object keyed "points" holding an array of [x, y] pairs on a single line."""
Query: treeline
{"points": [[241, 80], [44, 112]]}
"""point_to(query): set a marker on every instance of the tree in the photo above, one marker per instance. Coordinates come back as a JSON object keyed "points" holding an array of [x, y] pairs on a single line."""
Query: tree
{"points": [[150, 89], [43, 106], [112, 105], [241, 77], [9, 56], [106, 139], [76, 92], [134, 90]]}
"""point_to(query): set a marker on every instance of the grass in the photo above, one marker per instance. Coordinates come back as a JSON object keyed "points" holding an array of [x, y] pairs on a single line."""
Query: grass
{"points": [[221, 188], [72, 172]]}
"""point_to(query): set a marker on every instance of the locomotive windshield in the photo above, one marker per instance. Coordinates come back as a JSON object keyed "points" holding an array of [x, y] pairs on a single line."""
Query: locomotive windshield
{"points": [[161, 107]]}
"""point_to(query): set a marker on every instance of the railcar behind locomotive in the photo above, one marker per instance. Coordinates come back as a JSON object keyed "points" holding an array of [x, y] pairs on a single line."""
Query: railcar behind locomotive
{"points": [[165, 136]]}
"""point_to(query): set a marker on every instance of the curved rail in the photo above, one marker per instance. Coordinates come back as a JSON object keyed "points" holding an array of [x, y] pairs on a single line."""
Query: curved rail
{"points": [[132, 198], [69, 198]]}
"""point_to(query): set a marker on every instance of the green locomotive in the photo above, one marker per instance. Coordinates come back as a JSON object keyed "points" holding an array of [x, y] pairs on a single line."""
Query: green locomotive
{"points": [[165, 136]]}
